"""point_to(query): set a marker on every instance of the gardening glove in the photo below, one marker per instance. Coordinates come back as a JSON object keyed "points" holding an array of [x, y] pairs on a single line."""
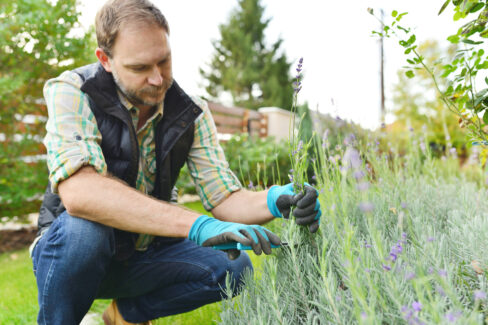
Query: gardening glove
{"points": [[280, 200], [207, 231], [307, 210]]}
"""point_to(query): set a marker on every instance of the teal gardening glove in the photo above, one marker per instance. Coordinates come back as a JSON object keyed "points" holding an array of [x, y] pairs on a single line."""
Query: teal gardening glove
{"points": [[307, 210], [207, 231]]}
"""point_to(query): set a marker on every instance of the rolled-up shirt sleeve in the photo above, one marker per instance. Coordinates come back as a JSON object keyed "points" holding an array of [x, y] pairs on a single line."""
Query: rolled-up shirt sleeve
{"points": [[72, 139], [214, 181]]}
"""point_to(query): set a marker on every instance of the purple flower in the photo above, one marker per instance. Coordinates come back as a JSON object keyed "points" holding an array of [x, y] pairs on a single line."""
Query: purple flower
{"points": [[417, 306], [352, 158], [422, 146], [349, 139], [313, 177], [453, 316], [367, 270], [403, 205], [410, 275], [442, 273], [251, 185], [363, 186], [358, 174], [430, 270], [386, 267], [479, 295], [393, 257], [366, 207], [325, 135], [364, 315], [430, 239], [440, 291]]}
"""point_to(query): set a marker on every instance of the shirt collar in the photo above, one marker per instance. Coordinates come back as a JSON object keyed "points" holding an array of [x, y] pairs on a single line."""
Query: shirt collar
{"points": [[129, 106]]}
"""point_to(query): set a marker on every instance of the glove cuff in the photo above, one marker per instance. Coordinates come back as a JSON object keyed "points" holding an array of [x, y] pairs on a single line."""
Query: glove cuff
{"points": [[196, 228], [271, 201]]}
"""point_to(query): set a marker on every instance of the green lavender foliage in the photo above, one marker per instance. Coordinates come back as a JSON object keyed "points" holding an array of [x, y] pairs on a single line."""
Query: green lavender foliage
{"points": [[400, 252]]}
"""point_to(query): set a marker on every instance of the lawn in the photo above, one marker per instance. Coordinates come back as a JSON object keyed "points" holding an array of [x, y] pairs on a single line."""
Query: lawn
{"points": [[18, 292]]}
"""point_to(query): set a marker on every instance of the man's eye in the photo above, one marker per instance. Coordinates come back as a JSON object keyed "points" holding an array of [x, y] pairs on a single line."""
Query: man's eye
{"points": [[138, 68]]}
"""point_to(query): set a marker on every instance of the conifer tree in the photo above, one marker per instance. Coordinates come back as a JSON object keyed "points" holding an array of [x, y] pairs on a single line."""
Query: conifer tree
{"points": [[254, 74]]}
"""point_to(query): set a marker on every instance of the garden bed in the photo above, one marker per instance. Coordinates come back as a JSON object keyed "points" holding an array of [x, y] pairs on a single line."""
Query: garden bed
{"points": [[14, 239]]}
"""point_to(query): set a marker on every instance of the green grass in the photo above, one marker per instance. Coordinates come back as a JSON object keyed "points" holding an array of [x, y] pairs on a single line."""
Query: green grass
{"points": [[18, 292]]}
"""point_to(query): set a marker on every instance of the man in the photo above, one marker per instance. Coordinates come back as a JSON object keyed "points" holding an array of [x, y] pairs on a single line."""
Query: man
{"points": [[119, 132]]}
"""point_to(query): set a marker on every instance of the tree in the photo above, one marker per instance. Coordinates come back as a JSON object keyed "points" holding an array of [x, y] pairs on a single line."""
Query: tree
{"points": [[38, 40], [242, 65], [416, 102]]}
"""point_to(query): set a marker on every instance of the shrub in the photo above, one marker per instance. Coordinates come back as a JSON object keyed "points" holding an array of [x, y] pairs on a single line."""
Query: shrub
{"points": [[399, 252]]}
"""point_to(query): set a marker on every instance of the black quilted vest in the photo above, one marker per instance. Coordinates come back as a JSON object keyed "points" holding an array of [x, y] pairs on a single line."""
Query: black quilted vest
{"points": [[173, 135]]}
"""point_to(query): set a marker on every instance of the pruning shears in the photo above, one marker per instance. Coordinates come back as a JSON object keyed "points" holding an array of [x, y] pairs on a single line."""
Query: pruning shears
{"points": [[241, 247]]}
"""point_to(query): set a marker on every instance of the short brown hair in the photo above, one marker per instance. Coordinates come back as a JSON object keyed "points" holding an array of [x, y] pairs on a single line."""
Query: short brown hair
{"points": [[115, 13]]}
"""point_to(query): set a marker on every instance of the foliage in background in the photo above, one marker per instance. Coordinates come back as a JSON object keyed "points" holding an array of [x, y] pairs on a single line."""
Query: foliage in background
{"points": [[417, 106], [243, 65], [397, 245], [255, 161], [37, 42], [464, 75]]}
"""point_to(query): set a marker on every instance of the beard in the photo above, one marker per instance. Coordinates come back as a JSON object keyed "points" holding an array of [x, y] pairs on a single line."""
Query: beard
{"points": [[146, 96]]}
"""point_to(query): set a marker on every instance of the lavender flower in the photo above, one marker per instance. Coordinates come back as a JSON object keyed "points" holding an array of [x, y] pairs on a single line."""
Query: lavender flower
{"points": [[417, 306], [452, 317], [366, 207], [251, 185], [367, 270], [422, 146], [358, 174], [479, 295], [297, 84], [349, 139], [440, 291], [364, 316], [352, 158], [386, 267], [325, 136], [410, 276], [404, 205], [430, 239], [442, 273], [363, 186]]}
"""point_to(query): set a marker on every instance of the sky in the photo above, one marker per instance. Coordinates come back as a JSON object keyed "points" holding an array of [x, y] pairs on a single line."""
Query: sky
{"points": [[341, 57]]}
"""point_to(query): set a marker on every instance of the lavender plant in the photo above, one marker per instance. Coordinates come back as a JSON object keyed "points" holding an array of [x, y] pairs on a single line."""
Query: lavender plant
{"points": [[399, 243]]}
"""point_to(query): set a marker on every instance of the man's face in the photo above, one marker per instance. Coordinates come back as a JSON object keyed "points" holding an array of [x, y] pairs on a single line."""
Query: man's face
{"points": [[141, 64]]}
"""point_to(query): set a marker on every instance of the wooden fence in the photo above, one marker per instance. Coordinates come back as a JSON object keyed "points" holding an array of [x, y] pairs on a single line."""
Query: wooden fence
{"points": [[231, 120]]}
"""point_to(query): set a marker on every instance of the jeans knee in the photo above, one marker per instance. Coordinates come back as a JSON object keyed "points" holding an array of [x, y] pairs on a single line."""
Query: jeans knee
{"points": [[84, 239]]}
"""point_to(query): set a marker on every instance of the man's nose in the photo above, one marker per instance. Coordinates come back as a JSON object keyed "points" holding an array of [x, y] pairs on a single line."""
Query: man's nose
{"points": [[155, 77]]}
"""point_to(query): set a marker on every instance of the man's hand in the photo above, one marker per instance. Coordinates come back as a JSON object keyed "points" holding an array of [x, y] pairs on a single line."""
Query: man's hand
{"points": [[207, 231], [307, 207]]}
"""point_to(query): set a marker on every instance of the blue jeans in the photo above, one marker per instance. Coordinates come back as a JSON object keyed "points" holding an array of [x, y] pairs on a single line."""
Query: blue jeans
{"points": [[74, 265]]}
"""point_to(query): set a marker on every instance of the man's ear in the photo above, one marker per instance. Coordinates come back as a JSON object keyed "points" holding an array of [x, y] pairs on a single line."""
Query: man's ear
{"points": [[103, 58]]}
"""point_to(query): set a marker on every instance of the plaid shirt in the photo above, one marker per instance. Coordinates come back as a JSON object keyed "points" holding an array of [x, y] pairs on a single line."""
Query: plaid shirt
{"points": [[71, 120]]}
